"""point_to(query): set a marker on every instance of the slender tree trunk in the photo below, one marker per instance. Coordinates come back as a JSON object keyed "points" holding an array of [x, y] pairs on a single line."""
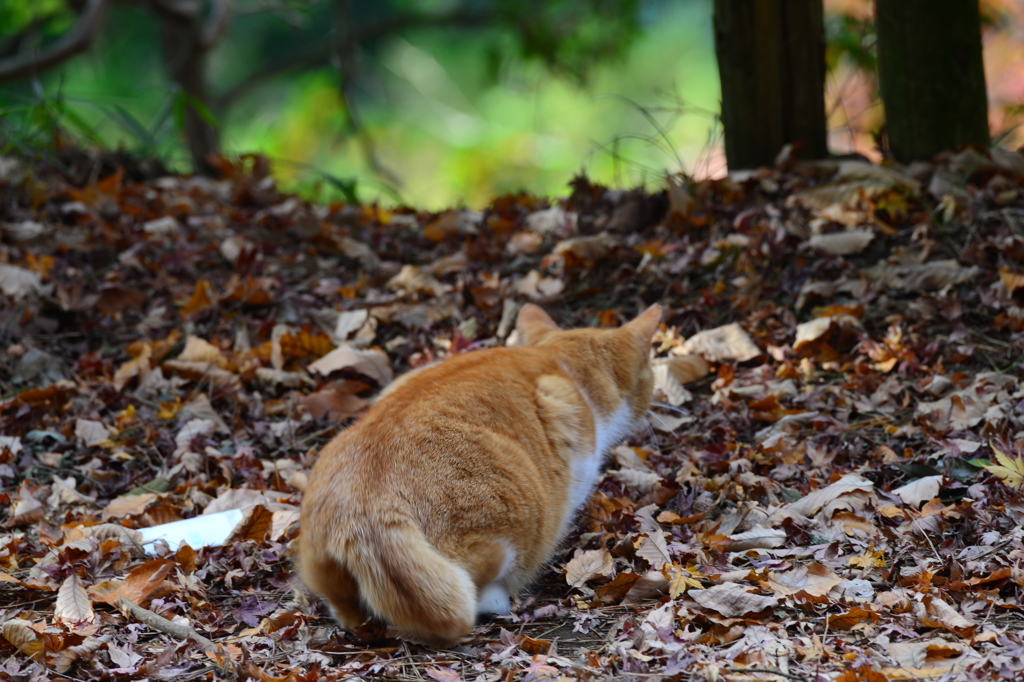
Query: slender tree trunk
{"points": [[771, 61], [932, 75], [184, 52], [345, 58]]}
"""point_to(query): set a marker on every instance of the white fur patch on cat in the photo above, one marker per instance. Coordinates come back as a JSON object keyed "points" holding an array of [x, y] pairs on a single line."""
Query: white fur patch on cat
{"points": [[587, 470], [494, 599]]}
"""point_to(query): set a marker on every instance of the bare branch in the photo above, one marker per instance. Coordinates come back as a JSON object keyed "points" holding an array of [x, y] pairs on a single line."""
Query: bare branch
{"points": [[321, 54], [217, 24], [75, 41], [345, 56], [288, 11], [184, 10], [11, 45], [158, 622], [460, 18]]}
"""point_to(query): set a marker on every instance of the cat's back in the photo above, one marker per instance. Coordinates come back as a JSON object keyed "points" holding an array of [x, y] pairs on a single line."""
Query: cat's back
{"points": [[471, 384], [453, 420]]}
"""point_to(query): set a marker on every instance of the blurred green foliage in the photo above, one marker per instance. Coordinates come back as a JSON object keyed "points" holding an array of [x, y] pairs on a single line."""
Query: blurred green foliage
{"points": [[851, 37], [459, 114], [53, 16]]}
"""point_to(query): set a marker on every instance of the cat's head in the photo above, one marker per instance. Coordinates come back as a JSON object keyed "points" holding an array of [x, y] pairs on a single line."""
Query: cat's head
{"points": [[622, 354]]}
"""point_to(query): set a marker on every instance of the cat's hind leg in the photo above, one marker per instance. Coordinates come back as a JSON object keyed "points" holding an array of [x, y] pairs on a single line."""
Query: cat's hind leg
{"points": [[335, 584], [488, 561]]}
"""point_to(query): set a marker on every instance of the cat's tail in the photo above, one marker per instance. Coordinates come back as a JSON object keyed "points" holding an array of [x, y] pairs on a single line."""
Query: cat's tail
{"points": [[425, 596]]}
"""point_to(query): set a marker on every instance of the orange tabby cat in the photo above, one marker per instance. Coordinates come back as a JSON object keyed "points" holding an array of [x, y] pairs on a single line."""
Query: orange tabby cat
{"points": [[458, 484]]}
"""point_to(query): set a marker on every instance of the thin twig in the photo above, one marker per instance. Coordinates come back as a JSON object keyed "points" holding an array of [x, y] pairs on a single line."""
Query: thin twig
{"points": [[217, 24], [158, 622], [924, 533], [767, 670], [78, 39]]}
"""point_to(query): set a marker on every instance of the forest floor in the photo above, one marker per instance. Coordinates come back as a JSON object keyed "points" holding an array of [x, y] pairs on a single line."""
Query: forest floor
{"points": [[830, 490]]}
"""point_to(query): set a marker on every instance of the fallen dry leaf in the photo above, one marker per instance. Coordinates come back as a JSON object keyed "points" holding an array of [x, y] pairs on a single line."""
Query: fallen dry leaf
{"points": [[348, 323], [935, 613], [104, 531], [73, 605], [370, 363], [589, 564], [256, 526], [757, 538], [538, 288], [92, 433], [20, 634], [729, 343], [849, 492], [413, 280], [202, 298], [928, 658], [591, 249], [844, 243], [931, 276], [19, 282], [334, 404], [687, 368], [201, 351], [852, 618], [143, 583], [1010, 279], [809, 332], [135, 367], [920, 491], [813, 579], [128, 505], [648, 585], [615, 591], [732, 599], [668, 387]]}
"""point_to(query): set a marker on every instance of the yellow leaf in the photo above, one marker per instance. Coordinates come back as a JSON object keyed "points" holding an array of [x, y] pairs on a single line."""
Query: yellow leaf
{"points": [[654, 248], [1011, 472], [869, 559], [169, 409], [681, 581]]}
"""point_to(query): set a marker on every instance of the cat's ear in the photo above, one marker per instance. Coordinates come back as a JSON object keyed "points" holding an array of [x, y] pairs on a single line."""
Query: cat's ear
{"points": [[533, 324], [643, 327]]}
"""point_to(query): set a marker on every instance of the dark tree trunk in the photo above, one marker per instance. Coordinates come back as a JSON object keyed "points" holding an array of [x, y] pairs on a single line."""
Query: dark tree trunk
{"points": [[771, 61], [184, 50], [932, 75]]}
